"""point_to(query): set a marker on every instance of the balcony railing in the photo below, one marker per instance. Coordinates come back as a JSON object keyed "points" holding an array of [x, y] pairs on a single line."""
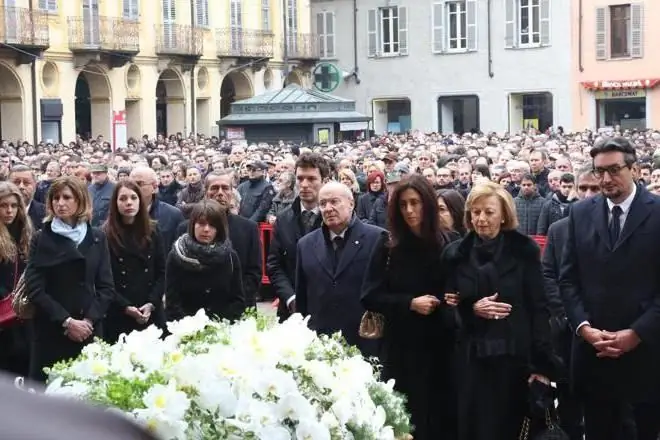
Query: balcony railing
{"points": [[112, 34], [245, 43], [302, 46], [179, 39], [23, 27]]}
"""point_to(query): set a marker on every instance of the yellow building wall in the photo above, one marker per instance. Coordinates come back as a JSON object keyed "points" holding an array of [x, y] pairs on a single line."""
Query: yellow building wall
{"points": [[132, 87]]}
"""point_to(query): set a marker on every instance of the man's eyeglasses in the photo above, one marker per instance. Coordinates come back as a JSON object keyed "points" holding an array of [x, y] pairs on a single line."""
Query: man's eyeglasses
{"points": [[612, 170]]}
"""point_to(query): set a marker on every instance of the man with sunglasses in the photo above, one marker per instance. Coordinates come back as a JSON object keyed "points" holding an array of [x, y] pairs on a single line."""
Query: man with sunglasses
{"points": [[611, 292], [570, 409]]}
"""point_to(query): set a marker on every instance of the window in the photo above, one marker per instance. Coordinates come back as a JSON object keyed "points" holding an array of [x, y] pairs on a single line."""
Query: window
{"points": [[202, 13], [527, 23], [454, 26], [265, 15], [292, 25], [619, 31], [236, 25], [457, 21], [387, 31], [325, 29], [131, 10], [48, 5]]}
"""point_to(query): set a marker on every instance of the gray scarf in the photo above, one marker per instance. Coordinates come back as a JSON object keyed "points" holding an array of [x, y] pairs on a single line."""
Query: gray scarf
{"points": [[194, 255]]}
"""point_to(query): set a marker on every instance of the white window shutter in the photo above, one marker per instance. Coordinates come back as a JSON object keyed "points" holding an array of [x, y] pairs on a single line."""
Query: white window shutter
{"points": [[601, 33], [320, 31], [510, 37], [403, 30], [43, 4], [202, 12], [544, 22], [438, 27], [330, 34], [372, 32], [637, 30], [48, 5], [471, 20]]}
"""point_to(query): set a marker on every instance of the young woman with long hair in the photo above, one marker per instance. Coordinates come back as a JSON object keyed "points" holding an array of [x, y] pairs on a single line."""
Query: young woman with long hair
{"points": [[138, 263], [405, 282], [15, 234]]}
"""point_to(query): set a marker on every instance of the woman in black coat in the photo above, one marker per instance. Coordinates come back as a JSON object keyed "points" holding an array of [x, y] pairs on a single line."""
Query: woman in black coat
{"points": [[495, 277], [404, 282], [203, 271], [138, 264], [15, 235], [375, 191], [68, 277]]}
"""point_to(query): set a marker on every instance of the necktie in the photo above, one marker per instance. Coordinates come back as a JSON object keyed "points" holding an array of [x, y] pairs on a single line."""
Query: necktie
{"points": [[615, 225], [308, 220], [338, 246]]}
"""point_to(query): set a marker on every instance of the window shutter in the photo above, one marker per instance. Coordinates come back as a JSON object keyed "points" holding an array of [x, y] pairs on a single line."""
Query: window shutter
{"points": [[131, 9], [372, 32], [403, 30], [601, 33], [320, 31], [510, 39], [43, 4], [48, 5], [637, 30], [202, 12], [471, 20], [437, 24], [330, 34], [544, 22]]}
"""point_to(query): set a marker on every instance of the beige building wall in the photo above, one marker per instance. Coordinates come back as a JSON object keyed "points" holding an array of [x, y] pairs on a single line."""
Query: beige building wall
{"points": [[602, 76], [192, 97]]}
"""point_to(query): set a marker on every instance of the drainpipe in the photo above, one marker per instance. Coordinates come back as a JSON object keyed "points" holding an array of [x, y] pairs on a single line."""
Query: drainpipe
{"points": [[33, 86], [193, 103], [580, 23], [356, 68], [285, 48], [491, 73]]}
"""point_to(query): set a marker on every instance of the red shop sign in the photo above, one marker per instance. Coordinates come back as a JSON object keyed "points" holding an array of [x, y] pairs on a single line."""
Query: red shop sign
{"points": [[621, 84]]}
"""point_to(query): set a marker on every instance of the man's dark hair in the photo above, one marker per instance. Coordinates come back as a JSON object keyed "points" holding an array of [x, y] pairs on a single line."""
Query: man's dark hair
{"points": [[567, 178], [314, 160], [645, 166], [619, 144], [543, 151], [530, 177]]}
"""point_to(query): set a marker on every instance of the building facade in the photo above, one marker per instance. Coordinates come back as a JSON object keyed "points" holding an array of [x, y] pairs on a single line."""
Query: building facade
{"points": [[451, 65], [616, 76], [72, 67]]}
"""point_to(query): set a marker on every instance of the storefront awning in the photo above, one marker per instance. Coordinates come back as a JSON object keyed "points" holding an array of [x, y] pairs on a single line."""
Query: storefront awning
{"points": [[621, 84]]}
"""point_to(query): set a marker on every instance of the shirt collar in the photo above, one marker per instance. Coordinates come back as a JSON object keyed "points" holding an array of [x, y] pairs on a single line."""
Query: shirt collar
{"points": [[316, 209], [625, 205], [342, 234]]}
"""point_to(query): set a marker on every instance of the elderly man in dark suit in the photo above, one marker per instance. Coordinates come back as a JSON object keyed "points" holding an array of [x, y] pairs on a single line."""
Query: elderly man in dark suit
{"points": [[302, 217], [330, 267], [611, 290], [32, 416], [570, 409], [243, 233], [23, 177]]}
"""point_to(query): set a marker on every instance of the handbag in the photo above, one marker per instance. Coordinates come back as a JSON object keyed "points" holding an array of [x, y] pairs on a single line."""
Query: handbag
{"points": [[372, 324], [7, 313], [552, 430]]}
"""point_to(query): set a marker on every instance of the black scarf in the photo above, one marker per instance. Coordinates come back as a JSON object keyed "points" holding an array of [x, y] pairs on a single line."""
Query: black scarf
{"points": [[194, 255]]}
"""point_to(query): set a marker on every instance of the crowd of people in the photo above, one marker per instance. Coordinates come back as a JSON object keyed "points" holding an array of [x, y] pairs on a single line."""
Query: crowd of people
{"points": [[431, 232]]}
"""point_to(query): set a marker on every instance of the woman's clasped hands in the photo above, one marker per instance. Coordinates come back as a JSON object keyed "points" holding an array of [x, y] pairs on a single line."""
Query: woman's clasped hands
{"points": [[490, 308]]}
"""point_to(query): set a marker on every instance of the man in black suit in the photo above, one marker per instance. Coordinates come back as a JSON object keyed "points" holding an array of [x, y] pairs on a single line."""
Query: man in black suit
{"points": [[243, 233], [25, 415], [330, 267], [570, 408], [611, 290], [23, 177], [302, 217]]}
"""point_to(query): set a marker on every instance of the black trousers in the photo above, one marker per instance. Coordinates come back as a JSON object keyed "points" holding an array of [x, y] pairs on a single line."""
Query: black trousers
{"points": [[616, 420]]}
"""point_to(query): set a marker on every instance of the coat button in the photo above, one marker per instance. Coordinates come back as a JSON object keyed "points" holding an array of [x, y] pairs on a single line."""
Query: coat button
{"points": [[123, 272], [121, 260], [208, 290], [123, 286], [146, 270], [334, 284], [148, 257]]}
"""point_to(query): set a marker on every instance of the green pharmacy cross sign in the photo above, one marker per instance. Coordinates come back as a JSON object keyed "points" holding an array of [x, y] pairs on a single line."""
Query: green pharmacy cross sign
{"points": [[326, 77]]}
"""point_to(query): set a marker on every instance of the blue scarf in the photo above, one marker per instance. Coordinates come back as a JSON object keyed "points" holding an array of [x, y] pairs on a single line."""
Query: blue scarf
{"points": [[76, 233]]}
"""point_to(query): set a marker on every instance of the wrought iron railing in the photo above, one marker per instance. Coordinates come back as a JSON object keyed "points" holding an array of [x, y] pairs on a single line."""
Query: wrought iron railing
{"points": [[247, 43], [23, 27], [113, 34], [179, 39], [302, 46]]}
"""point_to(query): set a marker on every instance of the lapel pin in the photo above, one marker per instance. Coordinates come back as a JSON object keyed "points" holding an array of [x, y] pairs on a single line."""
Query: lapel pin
{"points": [[357, 242]]}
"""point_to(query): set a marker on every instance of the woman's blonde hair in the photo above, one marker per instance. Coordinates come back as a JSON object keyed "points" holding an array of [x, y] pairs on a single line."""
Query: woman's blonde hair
{"points": [[80, 194], [351, 176], [492, 189], [9, 249]]}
